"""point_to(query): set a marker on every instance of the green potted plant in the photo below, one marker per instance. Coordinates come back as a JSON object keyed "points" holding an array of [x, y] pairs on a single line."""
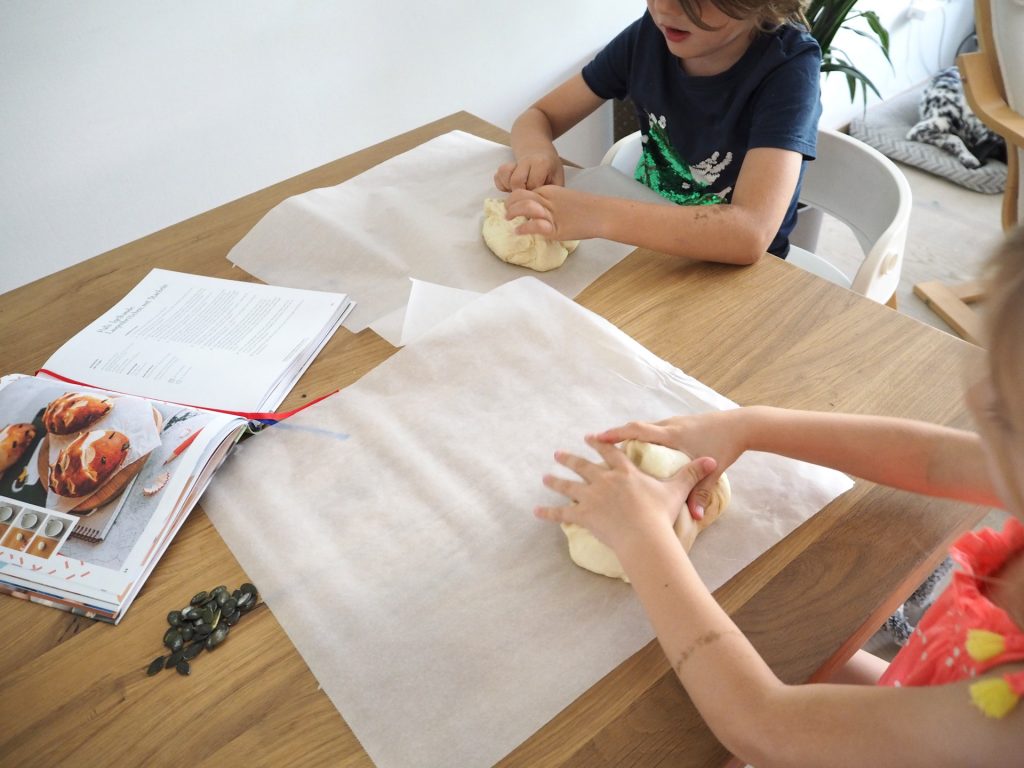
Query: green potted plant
{"points": [[826, 18]]}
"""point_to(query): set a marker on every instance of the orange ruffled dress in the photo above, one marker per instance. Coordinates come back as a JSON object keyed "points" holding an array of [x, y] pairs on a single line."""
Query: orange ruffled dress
{"points": [[963, 634]]}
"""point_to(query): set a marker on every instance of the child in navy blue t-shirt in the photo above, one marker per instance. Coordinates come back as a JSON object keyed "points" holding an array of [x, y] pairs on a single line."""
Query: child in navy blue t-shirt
{"points": [[727, 94]]}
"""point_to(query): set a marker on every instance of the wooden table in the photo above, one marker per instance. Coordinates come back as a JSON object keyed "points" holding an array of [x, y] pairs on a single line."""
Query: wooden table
{"points": [[75, 692]]}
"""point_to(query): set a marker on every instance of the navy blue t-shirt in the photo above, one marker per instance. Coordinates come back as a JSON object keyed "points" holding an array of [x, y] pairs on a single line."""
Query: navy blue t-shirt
{"points": [[697, 130]]}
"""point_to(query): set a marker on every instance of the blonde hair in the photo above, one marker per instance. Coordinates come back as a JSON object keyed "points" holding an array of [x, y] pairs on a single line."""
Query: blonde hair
{"points": [[1004, 311], [768, 13], [1004, 330]]}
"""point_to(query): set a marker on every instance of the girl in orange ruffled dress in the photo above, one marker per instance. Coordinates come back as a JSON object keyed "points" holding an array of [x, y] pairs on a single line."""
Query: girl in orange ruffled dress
{"points": [[950, 696]]}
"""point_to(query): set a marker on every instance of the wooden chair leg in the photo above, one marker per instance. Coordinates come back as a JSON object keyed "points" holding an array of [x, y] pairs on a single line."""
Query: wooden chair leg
{"points": [[950, 302]]}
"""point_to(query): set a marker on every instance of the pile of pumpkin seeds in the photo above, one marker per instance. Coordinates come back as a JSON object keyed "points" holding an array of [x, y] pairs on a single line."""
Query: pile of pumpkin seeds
{"points": [[203, 624]]}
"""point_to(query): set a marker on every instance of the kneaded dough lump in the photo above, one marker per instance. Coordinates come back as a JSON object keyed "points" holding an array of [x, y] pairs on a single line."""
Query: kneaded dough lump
{"points": [[533, 251], [587, 551]]}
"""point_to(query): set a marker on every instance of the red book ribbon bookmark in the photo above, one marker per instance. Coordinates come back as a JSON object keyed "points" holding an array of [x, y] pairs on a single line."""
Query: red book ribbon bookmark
{"points": [[265, 418]]}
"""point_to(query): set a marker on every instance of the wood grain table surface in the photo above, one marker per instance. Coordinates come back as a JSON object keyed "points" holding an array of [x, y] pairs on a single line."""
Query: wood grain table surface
{"points": [[75, 692]]}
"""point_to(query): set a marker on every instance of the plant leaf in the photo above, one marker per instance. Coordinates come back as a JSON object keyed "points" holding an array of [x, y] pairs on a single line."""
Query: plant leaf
{"points": [[826, 18]]}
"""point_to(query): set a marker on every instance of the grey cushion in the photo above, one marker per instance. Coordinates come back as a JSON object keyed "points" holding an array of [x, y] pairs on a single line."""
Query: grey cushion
{"points": [[885, 127]]}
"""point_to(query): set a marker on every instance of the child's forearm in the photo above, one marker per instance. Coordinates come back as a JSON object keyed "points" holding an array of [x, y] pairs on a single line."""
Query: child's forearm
{"points": [[725, 677], [901, 453], [766, 722], [721, 233], [532, 133]]}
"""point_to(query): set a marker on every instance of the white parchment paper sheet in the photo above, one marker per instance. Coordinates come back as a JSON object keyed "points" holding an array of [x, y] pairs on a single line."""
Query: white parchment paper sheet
{"points": [[418, 215], [389, 527]]}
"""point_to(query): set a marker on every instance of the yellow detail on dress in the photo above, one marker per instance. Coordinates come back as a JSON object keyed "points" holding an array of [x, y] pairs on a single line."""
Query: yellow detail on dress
{"points": [[983, 645], [994, 697]]}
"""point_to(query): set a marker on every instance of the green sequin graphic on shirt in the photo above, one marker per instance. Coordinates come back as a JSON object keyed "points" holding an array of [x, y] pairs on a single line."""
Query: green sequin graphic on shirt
{"points": [[661, 169]]}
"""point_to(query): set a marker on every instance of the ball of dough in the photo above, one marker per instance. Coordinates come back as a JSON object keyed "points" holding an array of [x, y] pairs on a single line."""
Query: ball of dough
{"points": [[587, 551], [533, 251]]}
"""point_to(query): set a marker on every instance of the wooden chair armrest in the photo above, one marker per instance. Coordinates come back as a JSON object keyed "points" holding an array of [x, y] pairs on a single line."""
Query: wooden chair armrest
{"points": [[985, 97]]}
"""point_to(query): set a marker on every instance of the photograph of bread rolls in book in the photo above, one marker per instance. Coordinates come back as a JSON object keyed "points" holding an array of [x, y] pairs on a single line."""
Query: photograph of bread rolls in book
{"points": [[588, 552], [93, 468], [14, 441], [74, 412]]}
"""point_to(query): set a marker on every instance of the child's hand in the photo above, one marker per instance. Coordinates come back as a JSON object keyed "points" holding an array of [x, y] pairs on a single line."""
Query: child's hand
{"points": [[530, 171], [621, 505], [557, 213], [719, 434]]}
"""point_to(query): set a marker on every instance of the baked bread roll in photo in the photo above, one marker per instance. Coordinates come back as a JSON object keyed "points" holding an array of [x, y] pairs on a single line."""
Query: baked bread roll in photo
{"points": [[14, 441], [91, 469], [74, 412], [87, 462]]}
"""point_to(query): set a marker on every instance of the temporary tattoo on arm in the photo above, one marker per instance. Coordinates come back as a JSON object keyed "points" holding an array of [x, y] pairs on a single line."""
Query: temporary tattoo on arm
{"points": [[707, 211], [700, 642]]}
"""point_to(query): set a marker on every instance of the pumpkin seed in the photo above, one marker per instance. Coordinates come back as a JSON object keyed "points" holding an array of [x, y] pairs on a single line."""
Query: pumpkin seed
{"points": [[193, 650], [250, 597], [218, 637], [203, 624], [173, 639], [174, 658]]}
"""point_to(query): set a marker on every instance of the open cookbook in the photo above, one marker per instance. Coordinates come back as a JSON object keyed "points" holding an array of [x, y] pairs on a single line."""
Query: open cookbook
{"points": [[108, 448]]}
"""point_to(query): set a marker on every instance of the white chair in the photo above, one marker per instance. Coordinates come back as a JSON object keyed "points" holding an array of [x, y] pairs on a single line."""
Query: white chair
{"points": [[853, 183]]}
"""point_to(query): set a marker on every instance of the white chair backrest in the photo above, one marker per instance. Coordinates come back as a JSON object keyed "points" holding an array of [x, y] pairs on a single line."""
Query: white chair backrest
{"points": [[1007, 34], [624, 154], [852, 182], [864, 189]]}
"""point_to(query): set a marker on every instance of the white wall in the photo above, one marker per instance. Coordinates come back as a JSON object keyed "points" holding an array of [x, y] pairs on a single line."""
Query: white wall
{"points": [[918, 49], [121, 117]]}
